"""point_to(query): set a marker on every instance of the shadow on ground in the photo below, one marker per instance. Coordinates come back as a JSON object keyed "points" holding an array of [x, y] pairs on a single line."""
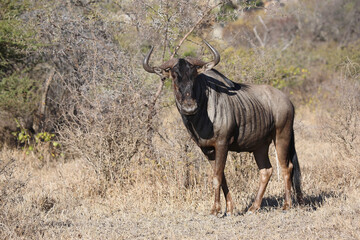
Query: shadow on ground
{"points": [[312, 202]]}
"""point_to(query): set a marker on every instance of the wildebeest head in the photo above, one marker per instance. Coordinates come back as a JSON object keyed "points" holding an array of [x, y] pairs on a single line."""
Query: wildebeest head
{"points": [[183, 72]]}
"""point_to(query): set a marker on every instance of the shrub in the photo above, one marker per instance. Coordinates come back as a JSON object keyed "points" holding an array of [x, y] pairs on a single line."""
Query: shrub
{"points": [[19, 94]]}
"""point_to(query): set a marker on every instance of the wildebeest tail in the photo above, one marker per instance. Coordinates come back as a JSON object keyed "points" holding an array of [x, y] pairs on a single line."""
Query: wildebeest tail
{"points": [[296, 173]]}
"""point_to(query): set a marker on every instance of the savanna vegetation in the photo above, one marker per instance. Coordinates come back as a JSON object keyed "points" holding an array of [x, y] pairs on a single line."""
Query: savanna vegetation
{"points": [[92, 146]]}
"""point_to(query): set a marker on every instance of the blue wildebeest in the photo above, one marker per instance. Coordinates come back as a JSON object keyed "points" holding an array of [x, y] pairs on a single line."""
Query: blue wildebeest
{"points": [[223, 116]]}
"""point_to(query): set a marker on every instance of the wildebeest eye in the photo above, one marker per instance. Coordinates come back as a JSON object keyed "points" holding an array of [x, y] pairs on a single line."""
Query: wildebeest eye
{"points": [[175, 75]]}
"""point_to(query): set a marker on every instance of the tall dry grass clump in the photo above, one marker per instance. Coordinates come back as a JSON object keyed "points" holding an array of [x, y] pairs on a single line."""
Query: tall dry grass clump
{"points": [[343, 123]]}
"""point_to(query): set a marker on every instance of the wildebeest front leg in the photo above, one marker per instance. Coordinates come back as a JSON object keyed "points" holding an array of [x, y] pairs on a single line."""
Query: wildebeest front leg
{"points": [[228, 199], [221, 151], [263, 162]]}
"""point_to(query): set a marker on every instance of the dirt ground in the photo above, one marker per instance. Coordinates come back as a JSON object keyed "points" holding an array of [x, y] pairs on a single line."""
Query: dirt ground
{"points": [[339, 221]]}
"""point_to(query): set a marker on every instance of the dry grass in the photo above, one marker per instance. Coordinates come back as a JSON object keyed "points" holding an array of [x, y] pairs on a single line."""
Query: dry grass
{"points": [[170, 198]]}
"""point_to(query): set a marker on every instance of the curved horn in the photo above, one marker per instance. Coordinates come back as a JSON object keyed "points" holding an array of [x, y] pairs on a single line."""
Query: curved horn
{"points": [[169, 64], [146, 62], [161, 69], [195, 61], [215, 53]]}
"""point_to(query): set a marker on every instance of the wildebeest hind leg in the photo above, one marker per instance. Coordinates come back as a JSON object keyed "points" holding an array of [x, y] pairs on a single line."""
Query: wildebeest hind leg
{"points": [[263, 162], [282, 149]]}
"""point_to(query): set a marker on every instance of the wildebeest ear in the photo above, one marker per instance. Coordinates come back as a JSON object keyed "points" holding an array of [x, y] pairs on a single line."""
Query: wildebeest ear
{"points": [[205, 67], [163, 73]]}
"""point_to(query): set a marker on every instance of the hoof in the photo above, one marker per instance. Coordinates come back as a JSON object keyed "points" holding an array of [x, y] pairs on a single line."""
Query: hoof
{"points": [[300, 201], [229, 209], [253, 209], [216, 210], [228, 214], [217, 214], [286, 207]]}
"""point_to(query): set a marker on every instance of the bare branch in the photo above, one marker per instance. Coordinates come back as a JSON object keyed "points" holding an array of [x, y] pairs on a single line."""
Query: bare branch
{"points": [[258, 37], [263, 23], [40, 117], [166, 29], [193, 28], [262, 41], [287, 45], [46, 89]]}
